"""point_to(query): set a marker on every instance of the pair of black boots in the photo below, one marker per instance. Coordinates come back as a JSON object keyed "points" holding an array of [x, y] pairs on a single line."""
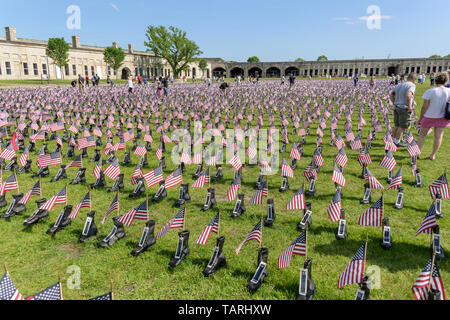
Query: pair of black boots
{"points": [[61, 174], [117, 233], [37, 215], [210, 200], [80, 177], [15, 207], [139, 190], [62, 221], [261, 272], [26, 168], [161, 193], [118, 184], [43, 172], [239, 207], [183, 196], [306, 221], [100, 182]]}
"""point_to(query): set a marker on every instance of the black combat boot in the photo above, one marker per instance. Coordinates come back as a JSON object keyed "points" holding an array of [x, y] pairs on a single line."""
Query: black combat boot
{"points": [[26, 168], [38, 214], [438, 205], [162, 192], [96, 156], [32, 146], [148, 146], [70, 152], [57, 148], [239, 207], [270, 213], [260, 180], [44, 148], [434, 294], [144, 161], [312, 188], [62, 221], [90, 228], [84, 153], [219, 174], [12, 211], [198, 171], [436, 245], [367, 198], [284, 185], [117, 233], [65, 137], [3, 202], [309, 284], [341, 232], [61, 174], [118, 184], [98, 142], [400, 202], [80, 178], [126, 159], [100, 182], [261, 272], [386, 241], [217, 260], [419, 182], [140, 188], [182, 248], [294, 164], [133, 148], [52, 136], [43, 172], [364, 287], [183, 195], [210, 200], [306, 220], [12, 165], [162, 162], [147, 239], [111, 158]]}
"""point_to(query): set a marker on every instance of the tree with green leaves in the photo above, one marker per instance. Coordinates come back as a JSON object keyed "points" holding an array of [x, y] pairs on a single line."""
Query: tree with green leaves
{"points": [[299, 60], [58, 51], [435, 56], [253, 59], [447, 56], [203, 65], [173, 45], [114, 58], [322, 58]]}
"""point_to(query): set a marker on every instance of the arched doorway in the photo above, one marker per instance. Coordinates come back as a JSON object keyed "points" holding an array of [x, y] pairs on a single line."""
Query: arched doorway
{"points": [[292, 71], [219, 72], [273, 72], [253, 72], [392, 70], [125, 73], [236, 72]]}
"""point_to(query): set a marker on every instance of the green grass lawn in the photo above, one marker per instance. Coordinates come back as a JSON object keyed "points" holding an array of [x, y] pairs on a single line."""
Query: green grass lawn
{"points": [[35, 259]]}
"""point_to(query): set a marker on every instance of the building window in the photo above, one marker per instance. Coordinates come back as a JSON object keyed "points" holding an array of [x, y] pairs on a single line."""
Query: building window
{"points": [[440, 69], [92, 71], [356, 71], [35, 69], [418, 69], [74, 69], [8, 68], [136, 72], [44, 69], [428, 69], [66, 69], [407, 70], [109, 70], [0, 69], [86, 72], [25, 68], [413, 69], [377, 71], [434, 68]]}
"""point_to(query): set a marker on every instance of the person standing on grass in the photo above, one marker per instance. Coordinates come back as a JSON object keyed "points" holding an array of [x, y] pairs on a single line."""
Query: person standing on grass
{"points": [[402, 96], [291, 80], [432, 78], [80, 82], [432, 115], [372, 82], [165, 83], [130, 85]]}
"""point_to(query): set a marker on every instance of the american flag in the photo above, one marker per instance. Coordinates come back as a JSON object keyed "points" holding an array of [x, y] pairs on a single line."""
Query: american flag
{"points": [[113, 170], [24, 157], [51, 293], [140, 213], [202, 180], [318, 158], [8, 290], [98, 168], [59, 141], [389, 143], [59, 198], [127, 136], [174, 179], [364, 157], [73, 129], [252, 152], [186, 156], [9, 185], [298, 247], [8, 153], [234, 188], [98, 132], [410, 137], [84, 143], [113, 206], [76, 163], [373, 216], [48, 160], [354, 271], [440, 185], [140, 150], [35, 190], [298, 200], [356, 144], [176, 222], [84, 203], [429, 222], [159, 151], [413, 149], [153, 177], [311, 172], [334, 209], [420, 287], [388, 161], [118, 146], [255, 234], [340, 143], [236, 162], [295, 154], [38, 136], [397, 180], [349, 135], [373, 182], [197, 159], [56, 126], [338, 177], [148, 137], [213, 226], [165, 138], [341, 158], [136, 173], [264, 165], [103, 297], [286, 170], [259, 194]]}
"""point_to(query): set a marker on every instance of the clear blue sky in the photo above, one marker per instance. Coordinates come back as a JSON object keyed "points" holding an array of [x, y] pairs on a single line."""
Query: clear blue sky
{"points": [[275, 30]]}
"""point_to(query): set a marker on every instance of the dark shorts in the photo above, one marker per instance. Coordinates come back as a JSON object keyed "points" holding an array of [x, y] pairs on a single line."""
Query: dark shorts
{"points": [[402, 118]]}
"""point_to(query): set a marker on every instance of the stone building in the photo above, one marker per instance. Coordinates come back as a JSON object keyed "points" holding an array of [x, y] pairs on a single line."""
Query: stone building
{"points": [[22, 59]]}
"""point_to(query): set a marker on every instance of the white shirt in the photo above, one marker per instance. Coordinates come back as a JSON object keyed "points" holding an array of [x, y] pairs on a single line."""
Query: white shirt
{"points": [[438, 98], [130, 84]]}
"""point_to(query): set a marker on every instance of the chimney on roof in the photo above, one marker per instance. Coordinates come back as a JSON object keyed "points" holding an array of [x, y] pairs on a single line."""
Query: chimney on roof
{"points": [[75, 42], [130, 49], [10, 34], [115, 45]]}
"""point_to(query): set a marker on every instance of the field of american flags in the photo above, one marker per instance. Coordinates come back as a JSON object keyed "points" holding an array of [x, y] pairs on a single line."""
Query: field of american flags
{"points": [[34, 259]]}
